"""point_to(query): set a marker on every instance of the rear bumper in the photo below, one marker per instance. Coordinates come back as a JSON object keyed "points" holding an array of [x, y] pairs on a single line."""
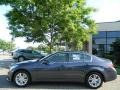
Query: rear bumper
{"points": [[111, 74]]}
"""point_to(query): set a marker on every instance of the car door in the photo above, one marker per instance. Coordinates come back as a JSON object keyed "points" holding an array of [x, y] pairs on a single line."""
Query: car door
{"points": [[28, 54], [52, 70], [75, 68], [36, 54]]}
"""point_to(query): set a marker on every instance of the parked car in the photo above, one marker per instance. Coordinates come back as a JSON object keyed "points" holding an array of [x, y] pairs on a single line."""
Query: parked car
{"points": [[13, 51], [64, 66], [24, 54]]}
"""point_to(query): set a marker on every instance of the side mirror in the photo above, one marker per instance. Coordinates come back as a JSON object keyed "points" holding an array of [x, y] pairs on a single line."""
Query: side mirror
{"points": [[45, 62], [42, 56]]}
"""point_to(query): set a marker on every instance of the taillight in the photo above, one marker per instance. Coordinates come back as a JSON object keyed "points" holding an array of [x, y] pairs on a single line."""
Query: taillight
{"points": [[111, 65]]}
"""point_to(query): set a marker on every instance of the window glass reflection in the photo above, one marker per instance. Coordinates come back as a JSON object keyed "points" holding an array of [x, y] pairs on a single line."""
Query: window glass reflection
{"points": [[110, 40], [100, 34], [109, 48], [100, 41], [113, 34]]}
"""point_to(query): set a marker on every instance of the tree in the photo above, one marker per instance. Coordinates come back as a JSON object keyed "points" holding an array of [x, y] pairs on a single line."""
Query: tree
{"points": [[6, 45], [116, 51], [51, 21]]}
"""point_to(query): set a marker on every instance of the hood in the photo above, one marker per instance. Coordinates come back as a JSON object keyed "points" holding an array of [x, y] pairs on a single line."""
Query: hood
{"points": [[28, 61], [23, 64]]}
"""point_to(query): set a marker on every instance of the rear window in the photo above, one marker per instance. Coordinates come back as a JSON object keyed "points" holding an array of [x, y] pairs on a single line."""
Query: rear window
{"points": [[87, 58]]}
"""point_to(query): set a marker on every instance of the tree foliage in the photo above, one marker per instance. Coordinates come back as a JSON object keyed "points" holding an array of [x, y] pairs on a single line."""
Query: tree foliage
{"points": [[116, 50], [6, 45], [51, 21]]}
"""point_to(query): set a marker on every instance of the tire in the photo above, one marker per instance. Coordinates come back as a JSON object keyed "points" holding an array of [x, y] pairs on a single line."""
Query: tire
{"points": [[94, 80], [21, 78], [21, 58]]}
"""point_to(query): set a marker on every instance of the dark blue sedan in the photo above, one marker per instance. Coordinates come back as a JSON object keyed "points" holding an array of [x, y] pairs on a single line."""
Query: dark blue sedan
{"points": [[64, 66]]}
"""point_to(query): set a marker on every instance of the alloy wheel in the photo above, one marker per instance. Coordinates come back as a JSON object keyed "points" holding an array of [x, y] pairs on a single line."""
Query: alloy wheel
{"points": [[21, 79], [94, 80]]}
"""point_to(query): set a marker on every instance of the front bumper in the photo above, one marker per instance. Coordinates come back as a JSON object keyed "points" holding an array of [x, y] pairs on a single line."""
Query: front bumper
{"points": [[9, 77], [15, 58]]}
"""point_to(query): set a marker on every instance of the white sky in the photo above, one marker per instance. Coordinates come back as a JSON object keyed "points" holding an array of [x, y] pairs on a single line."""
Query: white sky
{"points": [[107, 11]]}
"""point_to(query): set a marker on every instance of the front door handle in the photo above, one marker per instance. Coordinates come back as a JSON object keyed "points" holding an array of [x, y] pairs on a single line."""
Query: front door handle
{"points": [[62, 67]]}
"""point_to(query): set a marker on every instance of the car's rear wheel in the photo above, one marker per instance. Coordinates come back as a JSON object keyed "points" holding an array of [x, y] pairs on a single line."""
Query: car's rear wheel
{"points": [[21, 78], [94, 80], [21, 58]]}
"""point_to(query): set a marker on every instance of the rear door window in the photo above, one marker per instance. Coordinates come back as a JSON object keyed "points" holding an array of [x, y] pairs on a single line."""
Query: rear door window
{"points": [[76, 57], [28, 51], [79, 57]]}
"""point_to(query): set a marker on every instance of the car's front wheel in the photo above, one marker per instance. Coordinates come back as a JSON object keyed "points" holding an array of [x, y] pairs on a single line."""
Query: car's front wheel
{"points": [[21, 78], [94, 80]]}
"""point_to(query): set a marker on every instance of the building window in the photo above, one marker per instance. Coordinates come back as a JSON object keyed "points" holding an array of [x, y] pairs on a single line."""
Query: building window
{"points": [[113, 34], [102, 42], [100, 34]]}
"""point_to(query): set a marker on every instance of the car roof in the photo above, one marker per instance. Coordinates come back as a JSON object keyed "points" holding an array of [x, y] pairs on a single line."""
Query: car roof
{"points": [[24, 50], [70, 52]]}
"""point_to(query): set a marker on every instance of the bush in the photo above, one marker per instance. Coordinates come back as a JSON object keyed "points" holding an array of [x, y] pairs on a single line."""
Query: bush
{"points": [[111, 57], [116, 51], [118, 69]]}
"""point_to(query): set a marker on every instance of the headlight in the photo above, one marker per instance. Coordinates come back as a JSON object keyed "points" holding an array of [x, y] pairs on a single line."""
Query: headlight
{"points": [[12, 67]]}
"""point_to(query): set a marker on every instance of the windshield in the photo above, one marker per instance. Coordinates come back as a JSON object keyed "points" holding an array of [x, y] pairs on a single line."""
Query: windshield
{"points": [[45, 57]]}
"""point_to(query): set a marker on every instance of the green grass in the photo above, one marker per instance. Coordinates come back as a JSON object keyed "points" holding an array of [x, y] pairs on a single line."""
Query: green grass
{"points": [[118, 69]]}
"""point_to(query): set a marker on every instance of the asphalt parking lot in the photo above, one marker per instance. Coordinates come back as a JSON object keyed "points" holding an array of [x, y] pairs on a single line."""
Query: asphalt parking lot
{"points": [[5, 62]]}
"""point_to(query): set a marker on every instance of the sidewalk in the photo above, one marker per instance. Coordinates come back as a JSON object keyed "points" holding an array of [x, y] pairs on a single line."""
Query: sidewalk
{"points": [[5, 57]]}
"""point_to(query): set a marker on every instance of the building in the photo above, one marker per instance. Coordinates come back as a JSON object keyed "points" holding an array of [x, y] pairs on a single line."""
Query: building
{"points": [[108, 32]]}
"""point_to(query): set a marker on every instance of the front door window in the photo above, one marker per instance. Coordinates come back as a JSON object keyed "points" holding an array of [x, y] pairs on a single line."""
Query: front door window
{"points": [[58, 57]]}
